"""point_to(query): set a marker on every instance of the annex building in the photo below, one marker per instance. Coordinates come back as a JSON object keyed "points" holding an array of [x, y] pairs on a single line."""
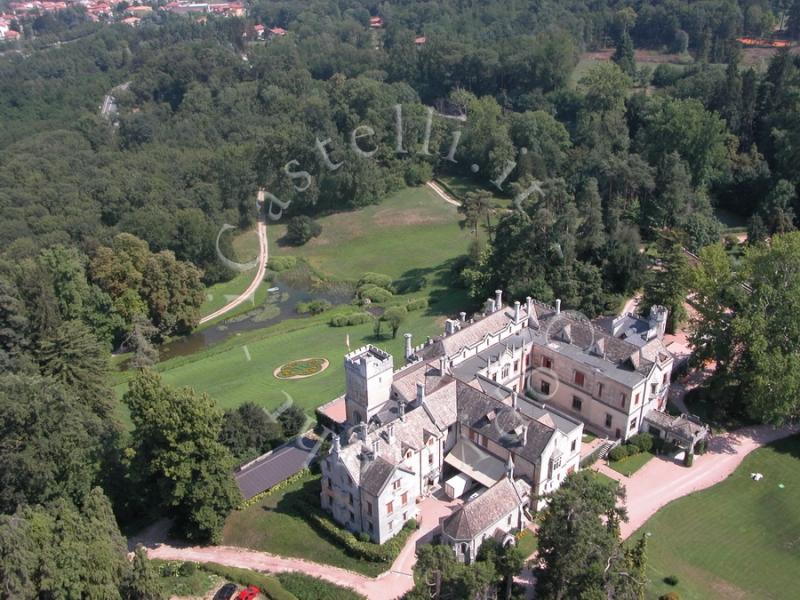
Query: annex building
{"points": [[497, 405]]}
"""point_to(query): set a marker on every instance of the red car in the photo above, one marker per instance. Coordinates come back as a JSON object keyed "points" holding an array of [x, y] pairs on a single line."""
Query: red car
{"points": [[248, 593]]}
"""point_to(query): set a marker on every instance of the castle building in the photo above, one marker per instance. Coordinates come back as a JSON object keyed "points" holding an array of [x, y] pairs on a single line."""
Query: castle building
{"points": [[498, 404]]}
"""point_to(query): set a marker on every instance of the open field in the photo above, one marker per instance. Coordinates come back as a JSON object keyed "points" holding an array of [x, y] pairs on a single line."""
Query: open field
{"points": [[739, 539], [411, 232], [411, 236]]}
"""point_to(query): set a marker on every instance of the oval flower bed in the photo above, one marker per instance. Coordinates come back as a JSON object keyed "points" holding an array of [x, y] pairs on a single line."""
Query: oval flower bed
{"points": [[298, 369]]}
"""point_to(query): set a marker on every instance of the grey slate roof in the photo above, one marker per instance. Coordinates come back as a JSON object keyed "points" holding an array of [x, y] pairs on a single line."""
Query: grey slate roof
{"points": [[501, 423], [484, 511], [375, 474]]}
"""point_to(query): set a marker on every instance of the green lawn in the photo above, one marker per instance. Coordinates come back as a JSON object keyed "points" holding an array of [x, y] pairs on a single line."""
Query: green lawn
{"points": [[459, 186], [629, 465], [739, 539], [528, 543], [273, 525], [604, 479], [402, 237]]}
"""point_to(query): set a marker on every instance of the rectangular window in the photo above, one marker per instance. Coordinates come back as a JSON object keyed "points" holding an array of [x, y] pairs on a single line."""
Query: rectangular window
{"points": [[404, 498], [351, 499], [545, 387], [622, 399], [505, 371], [389, 508], [608, 420], [572, 447], [369, 508], [547, 363], [664, 379], [516, 366], [653, 388], [494, 377], [636, 399], [599, 390], [576, 403], [579, 378], [430, 459], [633, 423], [508, 522]]}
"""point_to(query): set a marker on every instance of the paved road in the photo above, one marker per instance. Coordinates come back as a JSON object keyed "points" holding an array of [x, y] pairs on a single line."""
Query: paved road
{"points": [[264, 473], [263, 255]]}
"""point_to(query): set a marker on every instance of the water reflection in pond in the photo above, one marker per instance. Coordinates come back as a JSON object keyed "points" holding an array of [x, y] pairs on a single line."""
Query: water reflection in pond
{"points": [[277, 307]]}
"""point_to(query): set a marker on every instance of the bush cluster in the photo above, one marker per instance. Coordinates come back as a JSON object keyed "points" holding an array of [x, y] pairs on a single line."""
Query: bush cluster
{"points": [[314, 307], [417, 304], [374, 293], [641, 442], [357, 318], [377, 279], [282, 263], [671, 580]]}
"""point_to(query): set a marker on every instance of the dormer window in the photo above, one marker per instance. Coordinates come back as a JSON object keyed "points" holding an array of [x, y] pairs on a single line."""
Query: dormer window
{"points": [[409, 453]]}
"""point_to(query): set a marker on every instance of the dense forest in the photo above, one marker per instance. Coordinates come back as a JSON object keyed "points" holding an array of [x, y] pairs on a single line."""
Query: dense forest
{"points": [[108, 223]]}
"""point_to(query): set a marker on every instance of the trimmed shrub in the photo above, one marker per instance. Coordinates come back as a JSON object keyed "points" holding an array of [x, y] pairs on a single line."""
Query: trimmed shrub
{"points": [[411, 524], [688, 460], [268, 585], [417, 304], [378, 279], [187, 569], [351, 319], [618, 453], [671, 580], [643, 441]]}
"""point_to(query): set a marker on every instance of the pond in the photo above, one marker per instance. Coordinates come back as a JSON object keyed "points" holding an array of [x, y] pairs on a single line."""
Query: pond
{"points": [[277, 307]]}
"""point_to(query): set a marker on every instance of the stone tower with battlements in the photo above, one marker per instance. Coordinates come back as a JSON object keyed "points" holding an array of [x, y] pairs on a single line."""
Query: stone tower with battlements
{"points": [[368, 375]]}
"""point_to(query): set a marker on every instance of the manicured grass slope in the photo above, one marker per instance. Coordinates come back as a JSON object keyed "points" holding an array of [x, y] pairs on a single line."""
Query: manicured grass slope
{"points": [[272, 525], [629, 465], [738, 539]]}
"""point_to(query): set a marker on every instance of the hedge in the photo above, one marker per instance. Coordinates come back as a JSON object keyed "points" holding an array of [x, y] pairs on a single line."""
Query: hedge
{"points": [[282, 263], [619, 453], [306, 587], [351, 319], [368, 551], [268, 585]]}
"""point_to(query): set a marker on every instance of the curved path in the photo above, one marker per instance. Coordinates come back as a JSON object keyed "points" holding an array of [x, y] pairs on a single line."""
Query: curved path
{"points": [[663, 479], [390, 584], [439, 191], [263, 255], [657, 483]]}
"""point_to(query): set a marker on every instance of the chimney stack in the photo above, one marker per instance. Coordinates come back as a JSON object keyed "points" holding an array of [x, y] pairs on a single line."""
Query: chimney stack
{"points": [[443, 365], [516, 311], [558, 306], [409, 347], [510, 467], [402, 408], [337, 445], [462, 317], [420, 392], [524, 435], [498, 299], [490, 306]]}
